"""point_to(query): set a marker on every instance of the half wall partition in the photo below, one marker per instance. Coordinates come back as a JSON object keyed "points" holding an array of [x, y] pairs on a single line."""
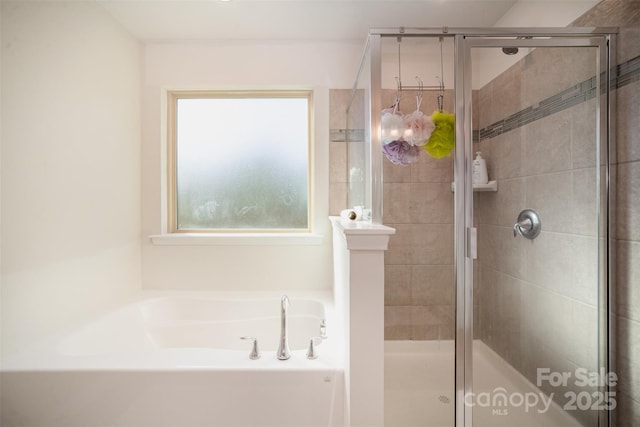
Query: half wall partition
{"points": [[512, 330]]}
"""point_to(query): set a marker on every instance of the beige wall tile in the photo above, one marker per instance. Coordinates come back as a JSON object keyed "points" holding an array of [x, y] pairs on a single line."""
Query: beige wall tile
{"points": [[628, 348], [627, 410], [507, 92], [487, 246], [432, 244], [485, 207], [507, 155], [337, 161], [431, 203], [628, 112], [427, 320], [547, 145], [509, 251], [357, 155], [617, 13], [548, 71], [563, 263], [432, 285], [397, 322], [396, 173], [485, 109], [398, 198], [546, 320], [428, 169], [628, 201], [357, 112], [584, 211], [584, 134], [629, 37], [484, 297], [337, 197], [338, 101], [400, 247], [551, 195], [420, 331], [627, 291], [585, 269], [397, 285], [584, 336], [510, 201]]}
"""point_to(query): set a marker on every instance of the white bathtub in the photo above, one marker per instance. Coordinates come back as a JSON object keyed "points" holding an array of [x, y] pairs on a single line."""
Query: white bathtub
{"points": [[176, 359]]}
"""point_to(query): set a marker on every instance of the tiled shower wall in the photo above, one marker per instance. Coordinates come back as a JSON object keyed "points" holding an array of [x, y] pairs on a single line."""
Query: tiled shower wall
{"points": [[419, 268], [625, 14], [537, 300], [418, 203]]}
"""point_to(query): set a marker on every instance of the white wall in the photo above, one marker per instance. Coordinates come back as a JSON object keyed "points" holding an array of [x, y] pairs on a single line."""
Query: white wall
{"points": [[70, 166], [240, 64]]}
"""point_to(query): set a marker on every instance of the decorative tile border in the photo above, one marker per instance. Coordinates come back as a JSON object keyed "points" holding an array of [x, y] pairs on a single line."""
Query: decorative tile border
{"points": [[627, 72], [346, 135]]}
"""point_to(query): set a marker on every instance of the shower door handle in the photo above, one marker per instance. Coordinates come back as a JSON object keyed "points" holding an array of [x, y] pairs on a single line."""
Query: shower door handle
{"points": [[472, 242]]}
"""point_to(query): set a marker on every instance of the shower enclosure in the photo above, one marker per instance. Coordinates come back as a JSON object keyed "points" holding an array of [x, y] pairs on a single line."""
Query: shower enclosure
{"points": [[519, 318]]}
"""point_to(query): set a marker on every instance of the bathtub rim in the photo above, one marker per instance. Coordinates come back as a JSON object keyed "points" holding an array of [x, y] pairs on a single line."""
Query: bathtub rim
{"points": [[43, 355]]}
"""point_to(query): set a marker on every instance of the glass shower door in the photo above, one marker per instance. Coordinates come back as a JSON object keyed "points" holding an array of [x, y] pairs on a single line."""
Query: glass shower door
{"points": [[533, 281]]}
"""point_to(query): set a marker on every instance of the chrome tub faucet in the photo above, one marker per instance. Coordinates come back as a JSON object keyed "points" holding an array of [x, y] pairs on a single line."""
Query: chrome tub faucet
{"points": [[283, 348]]}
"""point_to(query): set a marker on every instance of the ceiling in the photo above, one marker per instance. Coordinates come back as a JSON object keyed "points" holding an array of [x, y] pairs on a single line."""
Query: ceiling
{"points": [[165, 20]]}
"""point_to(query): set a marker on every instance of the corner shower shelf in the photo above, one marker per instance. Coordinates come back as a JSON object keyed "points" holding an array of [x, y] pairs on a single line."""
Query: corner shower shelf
{"points": [[490, 186]]}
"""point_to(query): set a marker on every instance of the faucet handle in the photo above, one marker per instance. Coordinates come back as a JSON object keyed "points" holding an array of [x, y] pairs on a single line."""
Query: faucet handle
{"points": [[323, 329], [311, 353], [527, 225], [255, 353]]}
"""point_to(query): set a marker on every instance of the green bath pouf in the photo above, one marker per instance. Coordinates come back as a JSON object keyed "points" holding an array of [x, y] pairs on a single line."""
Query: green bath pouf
{"points": [[442, 138]]}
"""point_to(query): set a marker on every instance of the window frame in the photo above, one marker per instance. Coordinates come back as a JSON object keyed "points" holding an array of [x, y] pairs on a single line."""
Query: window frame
{"points": [[172, 97]]}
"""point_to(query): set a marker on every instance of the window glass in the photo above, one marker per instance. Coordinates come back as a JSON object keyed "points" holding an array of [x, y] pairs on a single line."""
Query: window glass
{"points": [[242, 162]]}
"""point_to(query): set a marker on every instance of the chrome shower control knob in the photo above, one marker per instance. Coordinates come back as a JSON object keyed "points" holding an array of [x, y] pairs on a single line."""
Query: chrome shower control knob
{"points": [[528, 224]]}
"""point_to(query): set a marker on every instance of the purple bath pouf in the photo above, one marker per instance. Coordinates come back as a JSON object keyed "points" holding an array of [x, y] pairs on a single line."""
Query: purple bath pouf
{"points": [[400, 152]]}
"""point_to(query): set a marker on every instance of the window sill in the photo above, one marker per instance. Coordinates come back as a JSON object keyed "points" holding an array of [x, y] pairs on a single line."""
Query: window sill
{"points": [[237, 239]]}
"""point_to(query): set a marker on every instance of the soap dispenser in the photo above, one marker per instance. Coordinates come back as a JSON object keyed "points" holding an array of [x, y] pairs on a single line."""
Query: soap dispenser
{"points": [[479, 170]]}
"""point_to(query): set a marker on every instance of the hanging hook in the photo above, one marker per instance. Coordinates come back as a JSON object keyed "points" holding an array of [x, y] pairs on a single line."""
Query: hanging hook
{"points": [[441, 102], [420, 93], [441, 94], [396, 103], [440, 97]]}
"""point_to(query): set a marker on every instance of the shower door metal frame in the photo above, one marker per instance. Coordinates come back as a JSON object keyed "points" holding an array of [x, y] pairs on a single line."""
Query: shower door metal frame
{"points": [[464, 232]]}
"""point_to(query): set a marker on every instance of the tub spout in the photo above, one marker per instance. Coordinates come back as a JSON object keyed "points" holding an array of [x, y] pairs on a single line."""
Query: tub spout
{"points": [[283, 347]]}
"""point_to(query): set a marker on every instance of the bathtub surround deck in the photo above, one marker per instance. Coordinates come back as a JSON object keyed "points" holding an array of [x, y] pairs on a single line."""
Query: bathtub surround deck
{"points": [[176, 358], [185, 397]]}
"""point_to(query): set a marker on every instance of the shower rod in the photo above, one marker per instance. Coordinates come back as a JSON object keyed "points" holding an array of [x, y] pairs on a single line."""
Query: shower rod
{"points": [[421, 88]]}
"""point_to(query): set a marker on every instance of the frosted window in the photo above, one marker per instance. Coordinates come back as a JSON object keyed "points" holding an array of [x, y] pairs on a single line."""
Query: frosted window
{"points": [[242, 163]]}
